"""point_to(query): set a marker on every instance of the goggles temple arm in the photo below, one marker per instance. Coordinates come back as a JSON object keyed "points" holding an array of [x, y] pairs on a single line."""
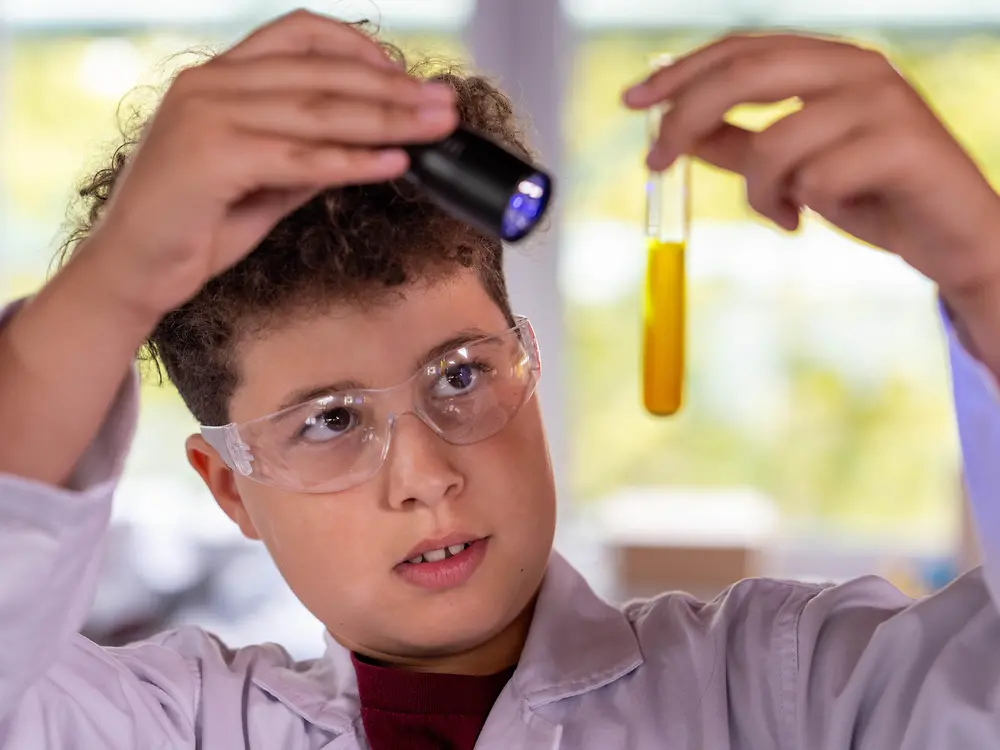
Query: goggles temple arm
{"points": [[231, 449]]}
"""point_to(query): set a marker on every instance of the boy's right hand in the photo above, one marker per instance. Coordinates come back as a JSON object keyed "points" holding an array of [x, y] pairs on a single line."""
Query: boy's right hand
{"points": [[302, 104]]}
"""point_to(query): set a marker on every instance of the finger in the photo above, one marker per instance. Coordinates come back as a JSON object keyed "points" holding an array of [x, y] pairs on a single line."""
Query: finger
{"points": [[350, 77], [664, 82], [778, 152], [731, 148], [282, 177], [336, 120], [258, 163], [728, 147], [860, 168], [765, 78], [302, 33], [266, 206]]}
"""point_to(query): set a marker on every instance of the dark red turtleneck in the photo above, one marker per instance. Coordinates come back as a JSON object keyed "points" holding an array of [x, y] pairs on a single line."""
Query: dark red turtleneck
{"points": [[424, 711]]}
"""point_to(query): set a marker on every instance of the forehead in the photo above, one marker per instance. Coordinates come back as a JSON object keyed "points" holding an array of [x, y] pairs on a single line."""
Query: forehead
{"points": [[376, 345]]}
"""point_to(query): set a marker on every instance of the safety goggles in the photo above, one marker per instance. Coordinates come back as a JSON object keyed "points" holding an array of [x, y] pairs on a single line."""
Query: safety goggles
{"points": [[341, 439]]}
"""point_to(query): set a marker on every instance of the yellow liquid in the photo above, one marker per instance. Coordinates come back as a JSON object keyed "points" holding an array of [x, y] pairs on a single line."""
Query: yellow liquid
{"points": [[663, 339]]}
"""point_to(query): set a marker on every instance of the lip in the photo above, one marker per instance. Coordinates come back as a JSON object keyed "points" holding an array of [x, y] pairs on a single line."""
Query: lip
{"points": [[450, 573], [440, 543]]}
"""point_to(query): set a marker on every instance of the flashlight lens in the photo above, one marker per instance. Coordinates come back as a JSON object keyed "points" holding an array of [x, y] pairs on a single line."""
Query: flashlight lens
{"points": [[525, 207]]}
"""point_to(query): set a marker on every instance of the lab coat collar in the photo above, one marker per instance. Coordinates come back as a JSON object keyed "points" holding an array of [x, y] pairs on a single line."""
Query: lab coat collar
{"points": [[577, 642]]}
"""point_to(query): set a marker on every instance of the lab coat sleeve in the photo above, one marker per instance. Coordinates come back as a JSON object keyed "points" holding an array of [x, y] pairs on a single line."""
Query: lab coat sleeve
{"points": [[58, 689], [977, 406], [875, 669]]}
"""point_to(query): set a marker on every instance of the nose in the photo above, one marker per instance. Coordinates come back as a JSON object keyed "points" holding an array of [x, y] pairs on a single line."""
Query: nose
{"points": [[421, 469]]}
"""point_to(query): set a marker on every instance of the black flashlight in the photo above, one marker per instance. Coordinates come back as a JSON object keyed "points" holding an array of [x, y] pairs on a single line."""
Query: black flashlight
{"points": [[480, 182]]}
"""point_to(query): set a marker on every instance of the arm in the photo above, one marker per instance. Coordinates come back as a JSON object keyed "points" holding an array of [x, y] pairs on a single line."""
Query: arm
{"points": [[54, 685], [68, 404], [64, 355], [860, 665], [874, 669]]}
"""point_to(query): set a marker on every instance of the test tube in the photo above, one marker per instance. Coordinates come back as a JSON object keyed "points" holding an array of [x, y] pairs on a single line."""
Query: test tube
{"points": [[668, 218]]}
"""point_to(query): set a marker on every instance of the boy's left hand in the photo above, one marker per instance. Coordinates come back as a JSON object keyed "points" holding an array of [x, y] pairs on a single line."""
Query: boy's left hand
{"points": [[864, 151]]}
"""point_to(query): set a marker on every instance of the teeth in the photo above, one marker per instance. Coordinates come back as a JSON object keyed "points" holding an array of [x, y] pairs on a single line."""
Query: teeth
{"points": [[437, 555]]}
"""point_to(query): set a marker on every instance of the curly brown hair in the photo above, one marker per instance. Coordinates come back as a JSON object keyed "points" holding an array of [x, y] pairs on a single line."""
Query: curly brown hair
{"points": [[350, 244]]}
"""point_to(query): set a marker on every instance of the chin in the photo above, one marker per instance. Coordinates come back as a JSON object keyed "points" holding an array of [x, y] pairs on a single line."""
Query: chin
{"points": [[457, 624], [462, 619]]}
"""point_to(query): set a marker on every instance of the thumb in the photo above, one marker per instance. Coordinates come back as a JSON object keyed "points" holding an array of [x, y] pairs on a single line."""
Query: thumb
{"points": [[729, 147]]}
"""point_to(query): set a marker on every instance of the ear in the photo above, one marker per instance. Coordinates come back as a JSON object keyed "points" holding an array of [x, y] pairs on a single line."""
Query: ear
{"points": [[221, 482]]}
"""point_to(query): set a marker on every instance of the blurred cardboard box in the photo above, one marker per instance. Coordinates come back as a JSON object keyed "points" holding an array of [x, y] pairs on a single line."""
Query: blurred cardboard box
{"points": [[696, 540]]}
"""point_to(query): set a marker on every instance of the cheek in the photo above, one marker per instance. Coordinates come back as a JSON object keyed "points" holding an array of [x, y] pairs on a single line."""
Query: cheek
{"points": [[317, 542], [514, 470]]}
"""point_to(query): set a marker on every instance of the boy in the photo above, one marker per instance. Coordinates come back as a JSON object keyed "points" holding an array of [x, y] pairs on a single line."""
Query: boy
{"points": [[372, 399]]}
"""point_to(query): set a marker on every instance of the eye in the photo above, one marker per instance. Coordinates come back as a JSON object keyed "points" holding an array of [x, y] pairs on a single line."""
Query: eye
{"points": [[459, 379], [331, 424]]}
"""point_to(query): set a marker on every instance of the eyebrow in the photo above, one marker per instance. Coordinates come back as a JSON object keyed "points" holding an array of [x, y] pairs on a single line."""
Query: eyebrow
{"points": [[304, 395]]}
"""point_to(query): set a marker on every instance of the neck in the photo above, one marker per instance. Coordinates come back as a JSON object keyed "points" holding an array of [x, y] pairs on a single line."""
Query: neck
{"points": [[494, 655]]}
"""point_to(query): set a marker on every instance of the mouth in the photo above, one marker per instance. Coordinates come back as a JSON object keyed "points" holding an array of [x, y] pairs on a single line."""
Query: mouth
{"points": [[437, 555], [443, 548], [444, 565]]}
